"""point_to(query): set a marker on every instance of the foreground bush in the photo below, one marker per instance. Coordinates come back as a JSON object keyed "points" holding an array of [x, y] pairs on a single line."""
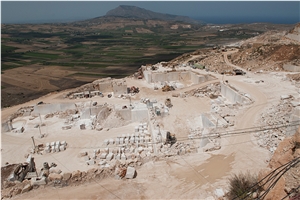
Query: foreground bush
{"points": [[241, 186]]}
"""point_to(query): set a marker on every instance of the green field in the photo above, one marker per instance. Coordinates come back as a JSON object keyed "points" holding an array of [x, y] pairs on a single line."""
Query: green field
{"points": [[67, 46]]}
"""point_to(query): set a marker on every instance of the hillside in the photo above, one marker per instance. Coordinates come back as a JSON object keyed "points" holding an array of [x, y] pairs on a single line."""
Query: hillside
{"points": [[269, 51]]}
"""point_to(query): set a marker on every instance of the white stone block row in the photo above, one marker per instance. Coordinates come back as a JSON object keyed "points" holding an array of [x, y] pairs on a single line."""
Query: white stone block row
{"points": [[55, 146]]}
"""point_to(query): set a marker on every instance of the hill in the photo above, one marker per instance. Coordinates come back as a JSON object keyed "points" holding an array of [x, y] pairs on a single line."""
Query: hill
{"points": [[141, 13], [270, 51]]}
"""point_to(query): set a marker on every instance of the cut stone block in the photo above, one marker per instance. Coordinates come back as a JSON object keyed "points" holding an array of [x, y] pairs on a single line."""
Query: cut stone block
{"points": [[295, 103], [110, 156], [106, 141], [47, 149], [117, 141], [137, 139], [130, 173], [62, 148], [118, 157], [38, 181], [126, 140], [132, 140], [57, 148], [123, 157], [147, 139], [86, 158], [90, 162], [282, 97], [102, 162], [111, 141]]}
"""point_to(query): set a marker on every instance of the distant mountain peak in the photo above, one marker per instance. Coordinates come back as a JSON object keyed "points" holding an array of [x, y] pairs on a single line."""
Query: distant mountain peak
{"points": [[141, 13]]}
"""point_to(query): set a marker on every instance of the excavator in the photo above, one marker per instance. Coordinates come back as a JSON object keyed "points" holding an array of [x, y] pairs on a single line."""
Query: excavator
{"points": [[170, 138]]}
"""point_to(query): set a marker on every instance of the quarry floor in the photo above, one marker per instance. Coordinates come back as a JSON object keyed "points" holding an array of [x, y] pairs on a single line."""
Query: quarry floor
{"points": [[191, 176]]}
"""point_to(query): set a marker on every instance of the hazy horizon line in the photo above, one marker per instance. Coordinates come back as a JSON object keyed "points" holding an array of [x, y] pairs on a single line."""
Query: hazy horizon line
{"points": [[207, 20]]}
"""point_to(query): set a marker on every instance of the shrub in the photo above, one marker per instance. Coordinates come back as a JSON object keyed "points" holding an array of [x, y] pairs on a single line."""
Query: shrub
{"points": [[241, 185]]}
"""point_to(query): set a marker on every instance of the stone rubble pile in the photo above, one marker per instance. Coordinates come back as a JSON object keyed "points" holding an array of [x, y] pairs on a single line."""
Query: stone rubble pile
{"points": [[275, 115], [55, 179], [211, 91]]}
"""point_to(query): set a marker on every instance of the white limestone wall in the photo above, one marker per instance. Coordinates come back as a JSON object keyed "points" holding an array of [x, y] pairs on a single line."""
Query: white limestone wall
{"points": [[119, 89], [295, 118], [88, 112], [204, 141], [185, 75], [125, 114], [105, 87], [44, 109], [206, 122], [152, 77], [6, 126], [139, 115], [147, 76], [199, 78], [232, 95]]}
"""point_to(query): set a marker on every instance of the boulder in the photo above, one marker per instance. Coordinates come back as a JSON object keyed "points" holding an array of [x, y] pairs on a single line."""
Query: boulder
{"points": [[56, 171], [219, 192], [27, 188], [76, 175], [282, 97], [81, 154], [16, 191], [55, 176], [92, 171], [7, 184], [38, 181], [66, 176]]}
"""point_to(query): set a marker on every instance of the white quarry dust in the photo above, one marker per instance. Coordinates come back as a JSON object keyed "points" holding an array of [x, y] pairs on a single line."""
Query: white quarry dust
{"points": [[190, 176]]}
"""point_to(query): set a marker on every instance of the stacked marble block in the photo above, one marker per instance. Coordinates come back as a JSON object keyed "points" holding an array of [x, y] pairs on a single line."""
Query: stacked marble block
{"points": [[108, 154], [55, 146], [140, 136]]}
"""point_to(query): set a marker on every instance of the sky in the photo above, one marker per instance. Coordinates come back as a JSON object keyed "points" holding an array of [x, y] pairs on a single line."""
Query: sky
{"points": [[217, 12]]}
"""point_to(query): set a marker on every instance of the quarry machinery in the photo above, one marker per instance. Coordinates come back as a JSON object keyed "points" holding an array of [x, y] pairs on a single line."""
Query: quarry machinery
{"points": [[170, 138], [168, 103]]}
